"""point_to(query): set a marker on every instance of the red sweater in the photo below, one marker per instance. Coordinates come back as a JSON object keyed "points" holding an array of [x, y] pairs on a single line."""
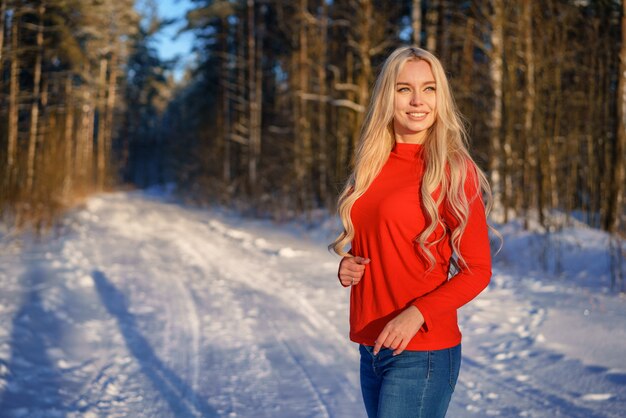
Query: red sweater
{"points": [[387, 219]]}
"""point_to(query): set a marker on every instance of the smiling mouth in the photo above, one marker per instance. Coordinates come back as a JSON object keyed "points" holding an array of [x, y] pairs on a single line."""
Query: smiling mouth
{"points": [[417, 115]]}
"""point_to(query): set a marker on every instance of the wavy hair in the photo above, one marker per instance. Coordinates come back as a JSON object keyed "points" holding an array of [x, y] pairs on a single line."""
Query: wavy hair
{"points": [[447, 159]]}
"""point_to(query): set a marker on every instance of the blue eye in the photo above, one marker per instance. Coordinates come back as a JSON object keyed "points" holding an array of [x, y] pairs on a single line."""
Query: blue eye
{"points": [[403, 89], [430, 88]]}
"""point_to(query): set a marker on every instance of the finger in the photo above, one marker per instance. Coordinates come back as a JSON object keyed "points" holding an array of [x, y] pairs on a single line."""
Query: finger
{"points": [[354, 266], [350, 276], [388, 341], [385, 342], [354, 261], [402, 347], [379, 341], [395, 343], [361, 260], [346, 281], [356, 272]]}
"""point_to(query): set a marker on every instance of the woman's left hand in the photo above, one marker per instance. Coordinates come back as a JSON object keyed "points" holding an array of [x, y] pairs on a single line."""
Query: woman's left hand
{"points": [[400, 330]]}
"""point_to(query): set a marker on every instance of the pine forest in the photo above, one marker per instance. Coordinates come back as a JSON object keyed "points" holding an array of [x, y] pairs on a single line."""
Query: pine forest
{"points": [[267, 118]]}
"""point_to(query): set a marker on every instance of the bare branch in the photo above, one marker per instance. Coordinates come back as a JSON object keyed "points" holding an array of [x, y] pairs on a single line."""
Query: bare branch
{"points": [[347, 87], [349, 104], [239, 139]]}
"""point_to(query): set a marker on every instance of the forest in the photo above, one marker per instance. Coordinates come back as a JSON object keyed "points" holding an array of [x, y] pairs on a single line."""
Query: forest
{"points": [[267, 118]]}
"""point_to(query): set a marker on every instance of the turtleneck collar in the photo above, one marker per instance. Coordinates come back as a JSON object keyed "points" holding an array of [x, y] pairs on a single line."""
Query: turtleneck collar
{"points": [[407, 150]]}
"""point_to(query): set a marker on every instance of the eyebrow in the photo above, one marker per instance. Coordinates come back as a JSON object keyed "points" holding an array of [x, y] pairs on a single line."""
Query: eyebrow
{"points": [[404, 83]]}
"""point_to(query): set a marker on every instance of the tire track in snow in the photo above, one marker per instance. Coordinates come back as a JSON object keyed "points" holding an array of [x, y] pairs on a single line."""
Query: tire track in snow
{"points": [[244, 385], [191, 246], [261, 295], [503, 371], [178, 355], [254, 330], [307, 377], [247, 265], [172, 233], [184, 321], [259, 249], [104, 375]]}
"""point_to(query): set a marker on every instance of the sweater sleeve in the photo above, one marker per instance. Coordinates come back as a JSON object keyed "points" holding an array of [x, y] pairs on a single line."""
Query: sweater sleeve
{"points": [[475, 274]]}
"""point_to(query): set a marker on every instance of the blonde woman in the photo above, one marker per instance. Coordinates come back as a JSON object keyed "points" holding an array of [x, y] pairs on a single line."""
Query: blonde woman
{"points": [[413, 200]]}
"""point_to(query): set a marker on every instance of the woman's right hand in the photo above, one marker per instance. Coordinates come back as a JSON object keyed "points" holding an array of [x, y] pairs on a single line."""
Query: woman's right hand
{"points": [[351, 270]]}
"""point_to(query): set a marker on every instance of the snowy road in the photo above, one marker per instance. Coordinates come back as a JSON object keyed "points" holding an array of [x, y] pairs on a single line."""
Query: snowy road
{"points": [[144, 308]]}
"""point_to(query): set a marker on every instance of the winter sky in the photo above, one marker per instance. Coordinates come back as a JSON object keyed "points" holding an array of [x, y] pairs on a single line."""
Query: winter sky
{"points": [[168, 43]]}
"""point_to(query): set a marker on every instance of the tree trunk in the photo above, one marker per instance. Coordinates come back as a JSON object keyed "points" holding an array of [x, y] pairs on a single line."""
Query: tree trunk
{"points": [[322, 107], [364, 76], [101, 103], [616, 197], [34, 110], [508, 169], [110, 111], [349, 136], [552, 145], [530, 153], [416, 21], [303, 149], [3, 15], [241, 129], [224, 123], [443, 32], [68, 138], [495, 119], [257, 128], [432, 19], [84, 146], [254, 105], [13, 105], [468, 55]]}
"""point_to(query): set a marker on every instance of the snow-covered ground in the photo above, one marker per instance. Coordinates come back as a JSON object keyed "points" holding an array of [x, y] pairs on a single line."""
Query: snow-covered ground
{"points": [[140, 307]]}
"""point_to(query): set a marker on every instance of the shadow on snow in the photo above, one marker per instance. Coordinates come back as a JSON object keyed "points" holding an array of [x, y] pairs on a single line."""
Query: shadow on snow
{"points": [[183, 401], [34, 383]]}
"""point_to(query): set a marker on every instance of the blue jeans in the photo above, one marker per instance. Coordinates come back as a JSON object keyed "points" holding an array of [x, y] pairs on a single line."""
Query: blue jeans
{"points": [[413, 384]]}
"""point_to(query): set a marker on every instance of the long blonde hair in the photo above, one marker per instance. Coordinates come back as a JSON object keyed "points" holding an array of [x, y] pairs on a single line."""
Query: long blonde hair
{"points": [[447, 159]]}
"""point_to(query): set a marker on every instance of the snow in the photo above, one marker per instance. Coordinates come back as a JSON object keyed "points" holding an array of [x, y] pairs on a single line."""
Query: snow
{"points": [[140, 306]]}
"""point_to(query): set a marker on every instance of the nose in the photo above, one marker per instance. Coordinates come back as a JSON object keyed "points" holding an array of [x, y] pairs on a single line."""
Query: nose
{"points": [[416, 99]]}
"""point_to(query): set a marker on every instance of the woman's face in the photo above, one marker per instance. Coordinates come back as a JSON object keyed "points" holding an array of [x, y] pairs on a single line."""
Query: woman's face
{"points": [[415, 102]]}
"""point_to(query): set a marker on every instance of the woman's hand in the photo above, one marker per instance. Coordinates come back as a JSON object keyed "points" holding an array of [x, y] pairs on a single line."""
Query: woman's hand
{"points": [[351, 270], [400, 330]]}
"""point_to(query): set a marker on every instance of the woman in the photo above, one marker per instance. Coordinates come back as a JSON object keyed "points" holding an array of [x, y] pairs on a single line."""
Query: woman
{"points": [[412, 201]]}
